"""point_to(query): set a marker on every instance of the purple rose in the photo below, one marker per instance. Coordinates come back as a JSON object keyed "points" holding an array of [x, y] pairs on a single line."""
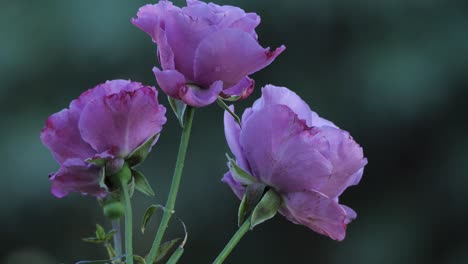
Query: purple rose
{"points": [[306, 159], [106, 123], [205, 50]]}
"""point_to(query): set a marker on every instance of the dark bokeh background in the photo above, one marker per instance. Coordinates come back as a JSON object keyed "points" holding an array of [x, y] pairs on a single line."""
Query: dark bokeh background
{"points": [[392, 72]]}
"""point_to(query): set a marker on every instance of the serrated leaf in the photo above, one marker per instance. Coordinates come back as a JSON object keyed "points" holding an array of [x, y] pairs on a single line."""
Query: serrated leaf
{"points": [[266, 208], [141, 152], [147, 216], [238, 173], [253, 194], [179, 108], [142, 184], [100, 232], [92, 240], [165, 249], [226, 108]]}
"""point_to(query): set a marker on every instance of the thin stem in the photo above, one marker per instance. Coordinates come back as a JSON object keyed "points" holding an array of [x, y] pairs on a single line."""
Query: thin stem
{"points": [[171, 199], [117, 237], [233, 242], [128, 224]]}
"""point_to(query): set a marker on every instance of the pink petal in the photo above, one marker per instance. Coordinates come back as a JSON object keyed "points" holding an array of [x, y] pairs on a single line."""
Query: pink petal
{"points": [[170, 81], [77, 176], [122, 121], [232, 133], [230, 55], [236, 187], [316, 211], [62, 137], [198, 97], [243, 89]]}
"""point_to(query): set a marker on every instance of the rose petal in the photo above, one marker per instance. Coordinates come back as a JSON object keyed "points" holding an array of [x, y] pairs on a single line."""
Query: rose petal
{"points": [[198, 97], [316, 211], [77, 176], [122, 121], [236, 187], [243, 89], [230, 55], [170, 81], [232, 133], [62, 137]]}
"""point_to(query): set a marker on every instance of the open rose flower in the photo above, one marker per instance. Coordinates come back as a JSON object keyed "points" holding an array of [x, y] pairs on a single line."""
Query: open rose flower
{"points": [[105, 124], [205, 50], [306, 159]]}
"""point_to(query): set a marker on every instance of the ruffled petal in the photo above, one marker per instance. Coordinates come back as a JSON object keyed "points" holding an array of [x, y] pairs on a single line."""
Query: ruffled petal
{"points": [[62, 136], [107, 88], [316, 211], [345, 155], [122, 121], [264, 132], [230, 55], [170, 81], [198, 97], [77, 176], [236, 187]]}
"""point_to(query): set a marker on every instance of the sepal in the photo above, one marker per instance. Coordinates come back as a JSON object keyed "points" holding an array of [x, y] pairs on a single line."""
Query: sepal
{"points": [[141, 152], [239, 174], [266, 208], [142, 184], [179, 108], [253, 194]]}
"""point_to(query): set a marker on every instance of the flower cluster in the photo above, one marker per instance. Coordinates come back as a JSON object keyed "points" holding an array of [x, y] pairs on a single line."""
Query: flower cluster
{"points": [[287, 158]]}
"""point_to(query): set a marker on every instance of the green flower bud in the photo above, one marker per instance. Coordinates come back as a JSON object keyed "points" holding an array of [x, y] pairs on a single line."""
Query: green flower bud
{"points": [[114, 209]]}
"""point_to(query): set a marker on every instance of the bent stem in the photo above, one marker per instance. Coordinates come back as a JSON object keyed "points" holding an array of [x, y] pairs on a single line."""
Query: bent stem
{"points": [[117, 237], [233, 242], [171, 199], [128, 224]]}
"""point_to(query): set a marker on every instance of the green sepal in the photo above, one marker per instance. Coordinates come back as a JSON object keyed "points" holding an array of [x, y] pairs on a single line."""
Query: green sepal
{"points": [[110, 250], [142, 184], [223, 105], [100, 232], [266, 208], [232, 98], [165, 250], [253, 194], [179, 108], [98, 161], [147, 216], [239, 174], [141, 152]]}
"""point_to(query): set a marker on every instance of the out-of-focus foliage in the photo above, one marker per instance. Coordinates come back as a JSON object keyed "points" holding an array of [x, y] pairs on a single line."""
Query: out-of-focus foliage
{"points": [[392, 72]]}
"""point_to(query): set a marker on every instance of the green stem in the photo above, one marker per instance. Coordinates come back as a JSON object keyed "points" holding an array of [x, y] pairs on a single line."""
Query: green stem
{"points": [[233, 242], [171, 199], [117, 237], [128, 223]]}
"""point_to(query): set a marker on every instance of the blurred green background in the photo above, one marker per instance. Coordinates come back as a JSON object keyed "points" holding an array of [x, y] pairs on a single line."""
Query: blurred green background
{"points": [[392, 72]]}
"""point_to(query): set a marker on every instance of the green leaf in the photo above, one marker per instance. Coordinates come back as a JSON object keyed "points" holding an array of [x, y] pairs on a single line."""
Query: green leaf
{"points": [[92, 240], [100, 232], [226, 108], [110, 250], [252, 196], [266, 208], [141, 152], [142, 184], [139, 259], [179, 108], [147, 216], [165, 250], [239, 174], [110, 235]]}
